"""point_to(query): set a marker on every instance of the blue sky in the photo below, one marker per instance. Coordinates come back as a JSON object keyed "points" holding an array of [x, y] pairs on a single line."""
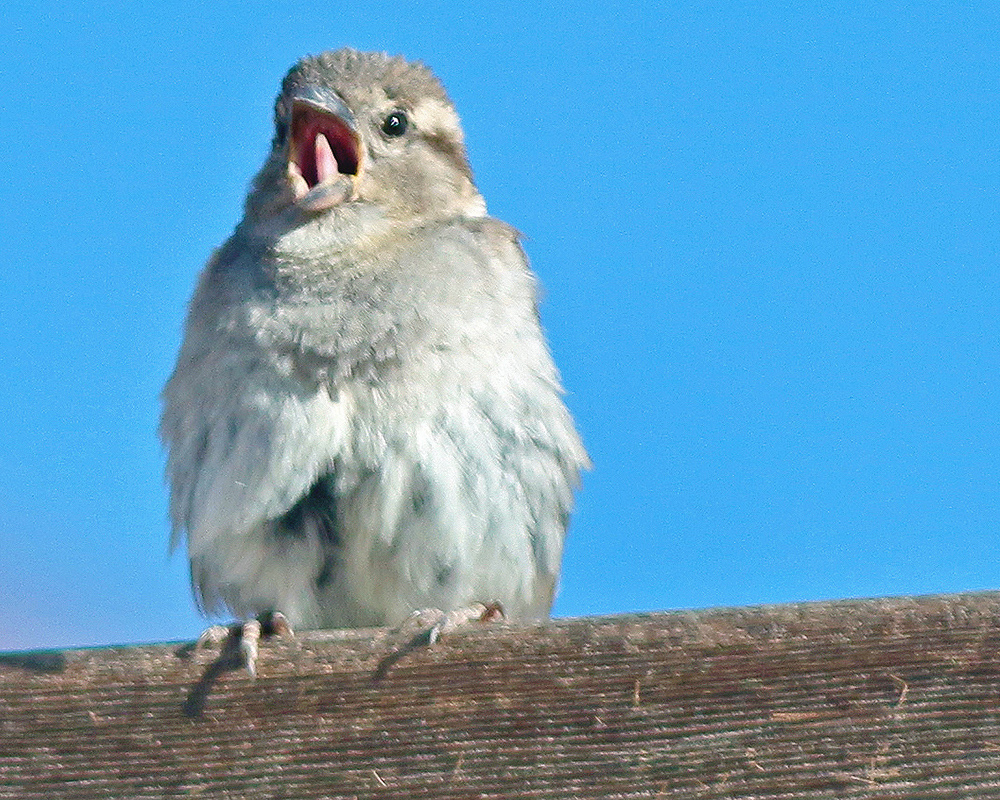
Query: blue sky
{"points": [[768, 235]]}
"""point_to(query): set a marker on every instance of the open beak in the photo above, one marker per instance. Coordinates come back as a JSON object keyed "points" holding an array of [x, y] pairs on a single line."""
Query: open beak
{"points": [[324, 151]]}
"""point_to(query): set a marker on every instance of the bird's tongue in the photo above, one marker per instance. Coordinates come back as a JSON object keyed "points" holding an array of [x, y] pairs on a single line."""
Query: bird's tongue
{"points": [[324, 146], [323, 159], [326, 161]]}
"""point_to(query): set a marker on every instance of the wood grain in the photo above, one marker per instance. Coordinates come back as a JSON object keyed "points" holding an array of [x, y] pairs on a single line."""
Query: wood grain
{"points": [[895, 698]]}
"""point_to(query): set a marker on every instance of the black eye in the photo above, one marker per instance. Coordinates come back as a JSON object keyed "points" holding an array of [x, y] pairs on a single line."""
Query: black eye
{"points": [[280, 132], [395, 124]]}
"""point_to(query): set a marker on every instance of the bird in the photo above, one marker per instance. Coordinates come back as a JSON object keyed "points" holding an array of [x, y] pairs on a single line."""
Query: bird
{"points": [[365, 419]]}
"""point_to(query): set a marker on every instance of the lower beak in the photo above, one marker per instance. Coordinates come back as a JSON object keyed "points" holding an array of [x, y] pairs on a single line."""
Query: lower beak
{"points": [[324, 151]]}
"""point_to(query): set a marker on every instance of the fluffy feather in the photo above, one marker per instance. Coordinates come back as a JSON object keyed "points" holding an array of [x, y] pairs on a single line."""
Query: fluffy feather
{"points": [[364, 418]]}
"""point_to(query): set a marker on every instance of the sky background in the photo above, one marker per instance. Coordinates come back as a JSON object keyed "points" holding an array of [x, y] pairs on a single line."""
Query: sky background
{"points": [[768, 235]]}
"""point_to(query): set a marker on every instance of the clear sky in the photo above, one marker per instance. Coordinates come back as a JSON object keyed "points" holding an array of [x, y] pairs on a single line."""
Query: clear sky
{"points": [[768, 234]]}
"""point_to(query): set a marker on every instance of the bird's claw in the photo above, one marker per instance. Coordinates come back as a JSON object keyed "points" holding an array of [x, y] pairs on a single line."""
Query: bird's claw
{"points": [[246, 636], [451, 620], [433, 623], [212, 636]]}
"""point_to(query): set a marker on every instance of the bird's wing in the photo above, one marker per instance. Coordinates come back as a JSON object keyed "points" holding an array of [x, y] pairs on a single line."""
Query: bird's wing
{"points": [[517, 426], [248, 436]]}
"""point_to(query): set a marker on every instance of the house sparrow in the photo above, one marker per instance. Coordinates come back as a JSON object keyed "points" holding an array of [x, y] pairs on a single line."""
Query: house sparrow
{"points": [[364, 418]]}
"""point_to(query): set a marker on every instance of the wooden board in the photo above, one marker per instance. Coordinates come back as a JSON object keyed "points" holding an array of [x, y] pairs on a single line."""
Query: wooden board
{"points": [[896, 698]]}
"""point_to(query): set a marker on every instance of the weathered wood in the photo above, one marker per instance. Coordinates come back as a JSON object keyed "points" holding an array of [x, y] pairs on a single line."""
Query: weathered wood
{"points": [[891, 698]]}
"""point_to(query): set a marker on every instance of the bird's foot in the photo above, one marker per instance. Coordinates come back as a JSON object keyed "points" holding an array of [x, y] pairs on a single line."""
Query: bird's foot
{"points": [[244, 637], [430, 625], [435, 623]]}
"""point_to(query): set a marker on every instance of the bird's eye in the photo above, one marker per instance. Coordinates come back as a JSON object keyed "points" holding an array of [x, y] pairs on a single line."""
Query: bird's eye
{"points": [[280, 132], [395, 124], [280, 122]]}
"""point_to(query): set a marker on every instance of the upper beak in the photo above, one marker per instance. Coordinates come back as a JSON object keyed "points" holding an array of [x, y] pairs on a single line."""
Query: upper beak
{"points": [[324, 149]]}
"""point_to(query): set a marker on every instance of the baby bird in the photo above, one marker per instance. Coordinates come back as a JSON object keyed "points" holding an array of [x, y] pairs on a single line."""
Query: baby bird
{"points": [[365, 419]]}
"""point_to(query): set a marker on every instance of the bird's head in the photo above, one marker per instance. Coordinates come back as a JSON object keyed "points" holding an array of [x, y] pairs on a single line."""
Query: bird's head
{"points": [[355, 127]]}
